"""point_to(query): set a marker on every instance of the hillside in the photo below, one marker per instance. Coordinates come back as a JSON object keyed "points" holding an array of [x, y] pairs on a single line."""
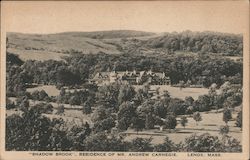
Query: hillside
{"points": [[55, 46]]}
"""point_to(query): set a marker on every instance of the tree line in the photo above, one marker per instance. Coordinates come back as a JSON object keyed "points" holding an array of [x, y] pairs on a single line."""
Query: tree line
{"points": [[77, 69]]}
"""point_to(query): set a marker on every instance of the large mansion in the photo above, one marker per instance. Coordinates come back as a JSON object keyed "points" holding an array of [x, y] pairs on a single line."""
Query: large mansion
{"points": [[132, 77]]}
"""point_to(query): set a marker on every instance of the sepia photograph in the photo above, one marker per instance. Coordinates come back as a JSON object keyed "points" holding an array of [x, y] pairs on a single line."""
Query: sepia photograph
{"points": [[124, 80]]}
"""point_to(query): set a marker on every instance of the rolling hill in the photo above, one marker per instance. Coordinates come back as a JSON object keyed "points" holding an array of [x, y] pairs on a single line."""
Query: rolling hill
{"points": [[55, 46]]}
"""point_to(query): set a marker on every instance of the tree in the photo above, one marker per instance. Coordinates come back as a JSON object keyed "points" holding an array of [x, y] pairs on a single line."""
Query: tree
{"points": [[184, 120], [60, 109], [167, 146], [224, 130], [125, 115], [202, 143], [190, 110], [44, 108], [189, 100], [166, 94], [77, 134], [160, 109], [177, 106], [35, 95], [197, 117], [227, 115], [126, 93], [182, 84], [86, 108], [104, 125], [138, 123], [99, 114], [157, 91], [149, 122], [108, 96], [170, 122], [212, 93], [102, 142], [203, 103], [33, 132], [139, 97], [42, 95], [74, 100], [66, 77], [145, 91], [9, 104], [24, 104], [239, 120], [141, 145], [13, 59]]}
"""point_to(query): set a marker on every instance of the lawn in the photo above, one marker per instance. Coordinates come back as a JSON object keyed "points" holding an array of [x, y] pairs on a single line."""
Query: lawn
{"points": [[176, 92], [210, 123]]}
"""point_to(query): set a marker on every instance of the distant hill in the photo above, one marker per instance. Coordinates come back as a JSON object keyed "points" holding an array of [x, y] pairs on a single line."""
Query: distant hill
{"points": [[108, 34], [54, 46]]}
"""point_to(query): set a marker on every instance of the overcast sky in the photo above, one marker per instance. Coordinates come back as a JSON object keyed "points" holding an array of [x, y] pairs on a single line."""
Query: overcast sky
{"points": [[154, 16]]}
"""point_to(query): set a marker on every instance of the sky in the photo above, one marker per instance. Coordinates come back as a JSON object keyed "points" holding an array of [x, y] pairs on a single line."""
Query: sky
{"points": [[153, 16]]}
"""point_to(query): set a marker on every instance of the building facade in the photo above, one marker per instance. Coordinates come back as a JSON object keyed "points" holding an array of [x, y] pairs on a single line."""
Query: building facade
{"points": [[133, 77]]}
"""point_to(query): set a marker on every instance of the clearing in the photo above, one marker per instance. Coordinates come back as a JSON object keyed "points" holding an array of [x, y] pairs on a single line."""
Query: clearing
{"points": [[51, 90]]}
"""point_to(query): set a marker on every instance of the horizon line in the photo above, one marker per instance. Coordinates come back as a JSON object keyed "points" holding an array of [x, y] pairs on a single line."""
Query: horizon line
{"points": [[153, 32]]}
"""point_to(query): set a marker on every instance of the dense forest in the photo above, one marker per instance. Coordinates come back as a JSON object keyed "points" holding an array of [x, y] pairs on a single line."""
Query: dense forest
{"points": [[203, 42]]}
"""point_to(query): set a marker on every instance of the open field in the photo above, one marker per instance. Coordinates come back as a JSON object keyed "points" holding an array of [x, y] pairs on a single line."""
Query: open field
{"points": [[37, 55], [210, 123], [51, 90]]}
